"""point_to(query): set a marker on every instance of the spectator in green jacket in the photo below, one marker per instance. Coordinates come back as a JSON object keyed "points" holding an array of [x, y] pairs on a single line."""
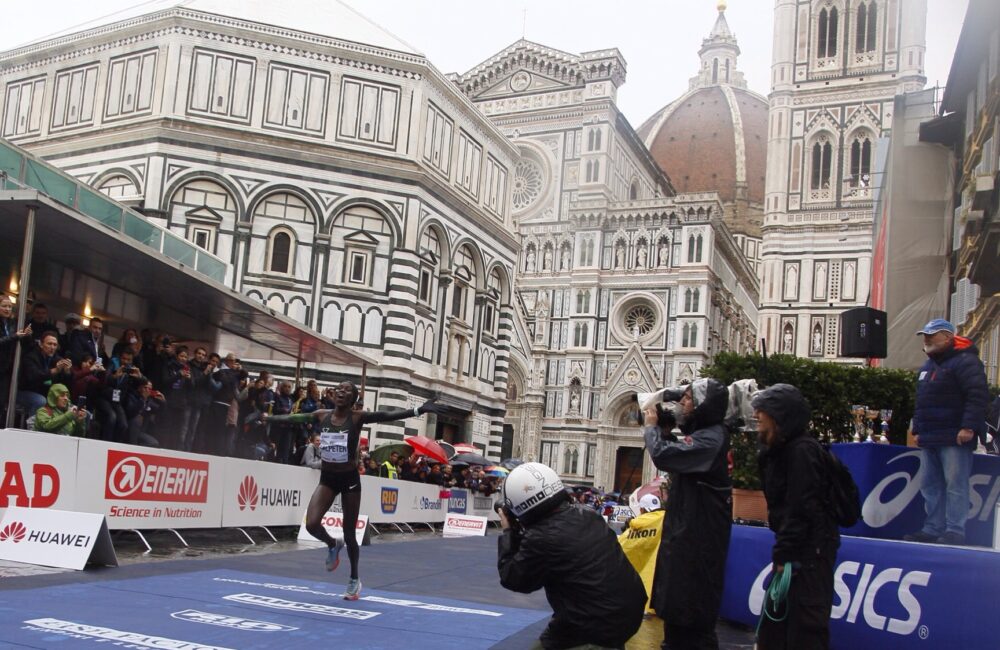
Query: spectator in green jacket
{"points": [[58, 416]]}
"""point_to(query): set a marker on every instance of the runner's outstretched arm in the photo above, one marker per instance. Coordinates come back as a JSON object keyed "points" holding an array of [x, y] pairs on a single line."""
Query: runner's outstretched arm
{"points": [[430, 406]]}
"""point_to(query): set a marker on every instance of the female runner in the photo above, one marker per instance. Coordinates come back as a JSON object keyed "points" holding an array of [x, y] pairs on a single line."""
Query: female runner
{"points": [[340, 432]]}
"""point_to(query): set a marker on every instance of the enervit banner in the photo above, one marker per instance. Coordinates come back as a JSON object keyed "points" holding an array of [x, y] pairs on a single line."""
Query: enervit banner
{"points": [[255, 493], [889, 478], [887, 595], [139, 487], [37, 470], [456, 525]]}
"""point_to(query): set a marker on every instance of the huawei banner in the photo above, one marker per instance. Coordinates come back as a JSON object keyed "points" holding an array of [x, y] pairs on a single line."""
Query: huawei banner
{"points": [[139, 487], [37, 470], [256, 493], [58, 538]]}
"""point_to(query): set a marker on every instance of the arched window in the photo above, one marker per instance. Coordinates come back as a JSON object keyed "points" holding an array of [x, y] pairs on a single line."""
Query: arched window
{"points": [[698, 247], [430, 258], [570, 460], [691, 245], [491, 306], [826, 38], [867, 27], [581, 332], [728, 62], [693, 341], [633, 191], [279, 253], [822, 158], [861, 161], [715, 71], [695, 300], [463, 294], [687, 300]]}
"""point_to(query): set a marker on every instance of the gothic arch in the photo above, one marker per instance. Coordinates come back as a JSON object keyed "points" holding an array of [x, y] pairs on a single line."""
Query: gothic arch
{"points": [[437, 226]]}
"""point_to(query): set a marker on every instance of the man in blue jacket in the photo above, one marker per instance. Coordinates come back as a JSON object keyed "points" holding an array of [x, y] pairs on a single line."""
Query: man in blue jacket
{"points": [[949, 415]]}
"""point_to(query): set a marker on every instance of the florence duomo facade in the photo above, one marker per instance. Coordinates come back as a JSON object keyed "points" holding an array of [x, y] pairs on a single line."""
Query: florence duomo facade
{"points": [[623, 283], [502, 238]]}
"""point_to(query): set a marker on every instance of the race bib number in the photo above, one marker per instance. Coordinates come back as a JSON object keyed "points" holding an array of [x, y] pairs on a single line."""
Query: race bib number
{"points": [[333, 446]]}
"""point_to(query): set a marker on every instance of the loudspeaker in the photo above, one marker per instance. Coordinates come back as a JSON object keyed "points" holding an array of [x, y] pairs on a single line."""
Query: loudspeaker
{"points": [[863, 333]]}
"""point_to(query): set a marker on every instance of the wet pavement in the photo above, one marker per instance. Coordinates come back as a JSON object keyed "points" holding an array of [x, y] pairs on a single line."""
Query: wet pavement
{"points": [[209, 544]]}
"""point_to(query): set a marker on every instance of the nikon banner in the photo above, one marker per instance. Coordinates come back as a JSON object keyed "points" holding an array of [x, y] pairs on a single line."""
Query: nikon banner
{"points": [[641, 541], [888, 595]]}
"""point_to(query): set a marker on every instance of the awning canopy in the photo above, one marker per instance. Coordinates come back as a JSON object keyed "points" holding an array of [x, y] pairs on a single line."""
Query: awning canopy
{"points": [[78, 261]]}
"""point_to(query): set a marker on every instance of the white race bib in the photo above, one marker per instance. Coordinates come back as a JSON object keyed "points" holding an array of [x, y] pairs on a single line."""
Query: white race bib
{"points": [[333, 446]]}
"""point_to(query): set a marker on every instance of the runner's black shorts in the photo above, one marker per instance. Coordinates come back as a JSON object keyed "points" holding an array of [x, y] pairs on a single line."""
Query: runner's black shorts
{"points": [[341, 482]]}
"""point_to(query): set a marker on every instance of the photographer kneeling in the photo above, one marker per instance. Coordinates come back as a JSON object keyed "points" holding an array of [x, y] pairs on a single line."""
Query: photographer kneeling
{"points": [[691, 563], [597, 598]]}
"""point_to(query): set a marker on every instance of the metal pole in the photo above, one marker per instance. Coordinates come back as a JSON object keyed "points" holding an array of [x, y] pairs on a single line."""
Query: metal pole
{"points": [[22, 310]]}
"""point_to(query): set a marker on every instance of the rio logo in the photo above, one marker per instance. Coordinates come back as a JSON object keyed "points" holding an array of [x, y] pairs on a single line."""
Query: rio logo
{"points": [[390, 499]]}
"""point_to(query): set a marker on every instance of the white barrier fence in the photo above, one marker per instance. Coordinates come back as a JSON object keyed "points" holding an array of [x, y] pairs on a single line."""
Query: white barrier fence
{"points": [[141, 488]]}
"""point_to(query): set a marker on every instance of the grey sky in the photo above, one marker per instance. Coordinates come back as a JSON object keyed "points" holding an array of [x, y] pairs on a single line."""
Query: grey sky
{"points": [[658, 38]]}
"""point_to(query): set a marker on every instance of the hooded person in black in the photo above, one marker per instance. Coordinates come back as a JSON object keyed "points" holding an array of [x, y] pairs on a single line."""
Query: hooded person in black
{"points": [[691, 562], [795, 474]]}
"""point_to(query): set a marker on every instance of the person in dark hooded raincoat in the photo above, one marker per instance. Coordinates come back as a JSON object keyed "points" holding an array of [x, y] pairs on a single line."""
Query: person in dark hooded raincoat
{"points": [[691, 562], [795, 473]]}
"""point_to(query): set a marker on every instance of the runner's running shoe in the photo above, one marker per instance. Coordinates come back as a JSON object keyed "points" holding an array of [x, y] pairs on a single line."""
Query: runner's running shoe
{"points": [[353, 589], [333, 555]]}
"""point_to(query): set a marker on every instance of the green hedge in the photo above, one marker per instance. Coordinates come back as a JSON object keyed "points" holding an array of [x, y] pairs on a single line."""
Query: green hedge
{"points": [[831, 389]]}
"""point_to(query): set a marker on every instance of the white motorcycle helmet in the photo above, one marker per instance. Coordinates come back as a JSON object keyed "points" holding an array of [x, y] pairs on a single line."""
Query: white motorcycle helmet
{"points": [[531, 490]]}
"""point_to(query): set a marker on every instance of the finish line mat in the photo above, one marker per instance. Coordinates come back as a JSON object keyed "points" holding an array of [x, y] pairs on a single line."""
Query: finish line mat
{"points": [[206, 610]]}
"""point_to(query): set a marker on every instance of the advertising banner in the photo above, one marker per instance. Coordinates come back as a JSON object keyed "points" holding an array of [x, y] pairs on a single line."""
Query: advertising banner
{"points": [[482, 506], [456, 525], [392, 501], [59, 538], [889, 478], [139, 487], [37, 470], [458, 501], [256, 493], [334, 524], [888, 595]]}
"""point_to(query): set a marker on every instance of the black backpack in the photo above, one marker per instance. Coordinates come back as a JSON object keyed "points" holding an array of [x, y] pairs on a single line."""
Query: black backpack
{"points": [[844, 497]]}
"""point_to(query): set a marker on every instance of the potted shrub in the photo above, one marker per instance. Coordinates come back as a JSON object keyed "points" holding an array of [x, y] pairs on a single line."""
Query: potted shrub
{"points": [[748, 498]]}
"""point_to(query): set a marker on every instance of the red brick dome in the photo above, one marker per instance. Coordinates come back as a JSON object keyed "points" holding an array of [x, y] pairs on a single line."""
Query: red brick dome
{"points": [[714, 138]]}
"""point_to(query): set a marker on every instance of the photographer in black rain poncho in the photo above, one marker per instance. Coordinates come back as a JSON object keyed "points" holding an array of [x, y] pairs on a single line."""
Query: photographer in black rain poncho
{"points": [[691, 563]]}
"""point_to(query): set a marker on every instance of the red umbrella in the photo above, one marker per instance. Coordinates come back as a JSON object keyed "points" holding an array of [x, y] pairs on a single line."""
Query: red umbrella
{"points": [[465, 448], [427, 447]]}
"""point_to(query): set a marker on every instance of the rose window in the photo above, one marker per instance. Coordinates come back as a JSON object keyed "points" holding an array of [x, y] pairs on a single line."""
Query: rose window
{"points": [[527, 185], [640, 319]]}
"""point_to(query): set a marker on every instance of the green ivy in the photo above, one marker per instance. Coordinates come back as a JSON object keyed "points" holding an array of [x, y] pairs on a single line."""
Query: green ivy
{"points": [[831, 389]]}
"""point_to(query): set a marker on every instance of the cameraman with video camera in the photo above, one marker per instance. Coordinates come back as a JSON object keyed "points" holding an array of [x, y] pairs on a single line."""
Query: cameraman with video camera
{"points": [[691, 562], [548, 543]]}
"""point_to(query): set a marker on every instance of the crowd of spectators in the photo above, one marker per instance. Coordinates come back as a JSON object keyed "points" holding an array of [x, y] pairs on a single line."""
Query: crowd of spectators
{"points": [[152, 391]]}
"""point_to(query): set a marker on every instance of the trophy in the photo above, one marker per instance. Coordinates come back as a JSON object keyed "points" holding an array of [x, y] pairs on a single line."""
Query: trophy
{"points": [[886, 415], [858, 411], [871, 415]]}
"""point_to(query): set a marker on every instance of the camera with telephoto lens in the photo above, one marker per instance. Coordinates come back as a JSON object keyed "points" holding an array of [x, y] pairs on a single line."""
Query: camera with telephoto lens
{"points": [[660, 401]]}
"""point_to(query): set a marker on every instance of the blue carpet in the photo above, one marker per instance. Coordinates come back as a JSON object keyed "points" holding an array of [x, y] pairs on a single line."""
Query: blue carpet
{"points": [[223, 608]]}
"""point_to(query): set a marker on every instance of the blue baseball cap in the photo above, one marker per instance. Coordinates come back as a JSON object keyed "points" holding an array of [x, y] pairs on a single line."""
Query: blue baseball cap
{"points": [[937, 325]]}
